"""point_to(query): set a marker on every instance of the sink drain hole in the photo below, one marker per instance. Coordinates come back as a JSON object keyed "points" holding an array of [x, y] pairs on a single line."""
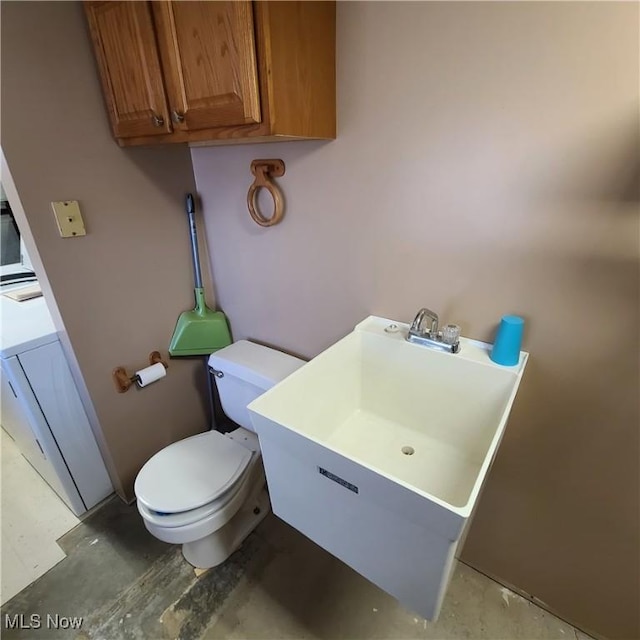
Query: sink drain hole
{"points": [[408, 451]]}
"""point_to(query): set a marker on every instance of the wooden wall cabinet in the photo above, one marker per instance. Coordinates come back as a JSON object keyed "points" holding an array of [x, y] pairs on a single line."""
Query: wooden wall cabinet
{"points": [[216, 72]]}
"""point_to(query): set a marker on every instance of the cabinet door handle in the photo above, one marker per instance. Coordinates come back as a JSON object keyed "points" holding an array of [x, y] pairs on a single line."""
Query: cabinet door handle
{"points": [[40, 447], [177, 117], [12, 389], [158, 121]]}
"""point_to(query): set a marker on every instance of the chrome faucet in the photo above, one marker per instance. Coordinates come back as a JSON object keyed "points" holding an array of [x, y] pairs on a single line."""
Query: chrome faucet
{"points": [[446, 340], [418, 321]]}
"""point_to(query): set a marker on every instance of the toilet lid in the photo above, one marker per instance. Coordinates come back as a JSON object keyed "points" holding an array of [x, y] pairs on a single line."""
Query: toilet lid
{"points": [[191, 473]]}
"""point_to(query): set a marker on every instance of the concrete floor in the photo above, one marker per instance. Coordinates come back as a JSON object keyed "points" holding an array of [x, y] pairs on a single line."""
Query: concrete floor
{"points": [[124, 584]]}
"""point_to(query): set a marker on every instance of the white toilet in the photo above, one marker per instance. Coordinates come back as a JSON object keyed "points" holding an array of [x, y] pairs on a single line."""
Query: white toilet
{"points": [[208, 492]]}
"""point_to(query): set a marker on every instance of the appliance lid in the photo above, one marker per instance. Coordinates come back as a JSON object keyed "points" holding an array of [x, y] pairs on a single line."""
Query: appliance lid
{"points": [[191, 473]]}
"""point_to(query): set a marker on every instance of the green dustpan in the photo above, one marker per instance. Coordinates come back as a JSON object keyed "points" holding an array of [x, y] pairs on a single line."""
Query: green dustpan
{"points": [[200, 331]]}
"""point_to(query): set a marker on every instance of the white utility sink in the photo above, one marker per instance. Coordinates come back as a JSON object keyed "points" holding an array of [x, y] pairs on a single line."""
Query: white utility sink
{"points": [[377, 450]]}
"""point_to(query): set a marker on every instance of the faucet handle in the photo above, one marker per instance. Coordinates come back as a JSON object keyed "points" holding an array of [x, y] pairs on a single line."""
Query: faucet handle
{"points": [[450, 333]]}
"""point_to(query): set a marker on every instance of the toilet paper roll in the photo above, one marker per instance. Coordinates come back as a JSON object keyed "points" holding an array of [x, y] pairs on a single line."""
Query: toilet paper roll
{"points": [[150, 374]]}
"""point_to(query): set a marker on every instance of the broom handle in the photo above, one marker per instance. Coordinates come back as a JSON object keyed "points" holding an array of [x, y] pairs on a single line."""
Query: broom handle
{"points": [[195, 255]]}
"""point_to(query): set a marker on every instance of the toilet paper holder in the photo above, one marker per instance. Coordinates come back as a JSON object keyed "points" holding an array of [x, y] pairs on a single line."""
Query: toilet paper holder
{"points": [[123, 380]]}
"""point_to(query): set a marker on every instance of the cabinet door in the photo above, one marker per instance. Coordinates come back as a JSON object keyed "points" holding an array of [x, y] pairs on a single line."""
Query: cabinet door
{"points": [[129, 64], [15, 422], [51, 381], [20, 416], [209, 60]]}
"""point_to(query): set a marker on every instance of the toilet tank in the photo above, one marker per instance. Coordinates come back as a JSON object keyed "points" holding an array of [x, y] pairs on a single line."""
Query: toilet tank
{"points": [[248, 370]]}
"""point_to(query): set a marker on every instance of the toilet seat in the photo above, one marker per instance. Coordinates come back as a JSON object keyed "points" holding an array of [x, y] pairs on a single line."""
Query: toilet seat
{"points": [[218, 506], [191, 474], [191, 526]]}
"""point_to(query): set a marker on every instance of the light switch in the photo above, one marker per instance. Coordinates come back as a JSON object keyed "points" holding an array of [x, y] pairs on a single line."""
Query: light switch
{"points": [[69, 218]]}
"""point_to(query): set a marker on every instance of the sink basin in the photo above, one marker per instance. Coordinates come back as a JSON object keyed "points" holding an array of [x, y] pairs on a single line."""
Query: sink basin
{"points": [[392, 442]]}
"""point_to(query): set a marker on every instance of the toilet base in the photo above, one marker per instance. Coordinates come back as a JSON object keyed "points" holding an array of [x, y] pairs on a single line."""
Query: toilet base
{"points": [[215, 548]]}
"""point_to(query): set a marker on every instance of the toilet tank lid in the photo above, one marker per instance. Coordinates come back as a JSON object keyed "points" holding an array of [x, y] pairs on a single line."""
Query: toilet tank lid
{"points": [[258, 365]]}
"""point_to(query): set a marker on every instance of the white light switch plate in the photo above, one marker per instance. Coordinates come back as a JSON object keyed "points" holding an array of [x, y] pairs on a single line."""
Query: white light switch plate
{"points": [[69, 218]]}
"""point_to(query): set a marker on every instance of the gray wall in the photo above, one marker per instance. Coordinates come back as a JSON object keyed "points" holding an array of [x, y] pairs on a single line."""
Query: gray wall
{"points": [[486, 163]]}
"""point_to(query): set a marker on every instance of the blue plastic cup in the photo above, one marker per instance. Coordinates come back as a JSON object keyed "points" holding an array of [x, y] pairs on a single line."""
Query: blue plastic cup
{"points": [[506, 348]]}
